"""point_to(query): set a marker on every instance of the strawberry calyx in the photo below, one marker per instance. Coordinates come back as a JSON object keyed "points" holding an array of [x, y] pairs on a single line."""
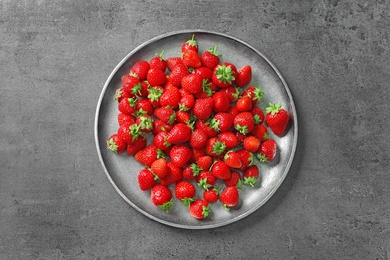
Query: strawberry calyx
{"points": [[203, 184], [166, 206], [258, 94], [133, 74], [160, 154], [195, 169], [213, 123], [187, 201], [242, 129], [132, 102], [171, 119], [136, 89], [145, 123], [160, 55], [250, 181], [256, 119], [239, 184], [205, 211], [192, 41], [219, 147], [206, 88], [134, 131], [236, 94], [273, 108], [112, 146], [118, 94], [262, 158], [183, 107], [155, 94], [213, 51], [140, 112], [224, 74], [226, 207]]}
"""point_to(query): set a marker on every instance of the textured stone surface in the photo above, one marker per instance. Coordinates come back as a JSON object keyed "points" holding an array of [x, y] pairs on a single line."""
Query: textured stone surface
{"points": [[56, 202]]}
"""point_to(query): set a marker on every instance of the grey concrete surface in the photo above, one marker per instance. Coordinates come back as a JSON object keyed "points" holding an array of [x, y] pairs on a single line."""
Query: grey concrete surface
{"points": [[56, 201]]}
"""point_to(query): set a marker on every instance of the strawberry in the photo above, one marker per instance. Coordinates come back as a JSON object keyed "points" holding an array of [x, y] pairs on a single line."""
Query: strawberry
{"points": [[211, 195], [197, 153], [204, 162], [146, 179], [185, 191], [254, 93], [143, 107], [186, 102], [199, 209], [204, 72], [232, 92], [129, 133], [191, 44], [207, 91], [251, 143], [232, 159], [206, 127], [229, 139], [116, 144], [234, 180], [161, 196], [192, 83], [221, 102], [128, 81], [178, 72], [198, 138], [172, 62], [220, 170], [160, 126], [180, 155], [140, 69], [251, 175], [145, 123], [205, 179], [214, 147], [267, 150], [244, 104], [246, 158], [229, 197], [261, 132], [160, 168], [170, 97], [244, 76], [209, 58], [191, 59], [203, 108], [122, 94], [276, 118], [174, 175], [258, 115], [222, 122], [183, 117], [132, 85], [125, 119], [136, 146], [165, 114], [127, 106], [158, 62], [223, 76], [156, 77], [233, 111], [160, 141], [190, 171], [180, 133], [148, 155], [244, 122], [154, 94]]}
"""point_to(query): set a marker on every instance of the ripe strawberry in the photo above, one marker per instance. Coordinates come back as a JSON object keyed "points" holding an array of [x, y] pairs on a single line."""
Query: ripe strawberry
{"points": [[154, 94], [140, 69], [180, 133], [146, 179], [277, 118], [145, 123], [183, 117], [160, 126], [174, 175], [206, 127], [136, 145], [165, 114], [160, 168], [267, 150], [258, 115], [198, 139], [240, 137], [205, 179], [203, 108], [251, 143], [206, 89], [128, 81], [192, 83], [232, 159], [197, 153], [191, 44], [244, 104], [244, 76], [234, 180], [244, 122], [223, 76], [214, 147], [191, 59], [143, 107], [133, 86], [148, 155], [127, 106], [232, 92], [122, 94], [186, 102], [161, 196], [246, 158], [178, 73], [220, 170], [204, 162], [190, 171], [229, 197], [170, 97], [222, 122], [233, 111], [180, 155], [251, 175], [229, 139], [254, 93], [116, 144], [125, 119], [185, 191], [221, 102], [156, 77], [210, 58], [160, 141], [173, 61], [158, 62], [129, 133], [204, 72], [211, 195], [261, 132], [199, 209]]}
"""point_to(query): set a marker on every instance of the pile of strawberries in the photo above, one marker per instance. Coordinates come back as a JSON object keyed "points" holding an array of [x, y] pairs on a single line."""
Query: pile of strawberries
{"points": [[206, 128]]}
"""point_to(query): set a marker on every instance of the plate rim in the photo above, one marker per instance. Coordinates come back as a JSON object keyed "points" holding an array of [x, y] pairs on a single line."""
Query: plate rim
{"points": [[294, 125]]}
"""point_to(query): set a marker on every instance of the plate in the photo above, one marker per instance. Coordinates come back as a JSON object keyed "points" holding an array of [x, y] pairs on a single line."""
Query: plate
{"points": [[122, 170]]}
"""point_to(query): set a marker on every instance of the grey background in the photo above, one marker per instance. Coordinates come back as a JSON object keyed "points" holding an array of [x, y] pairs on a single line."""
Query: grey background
{"points": [[56, 201]]}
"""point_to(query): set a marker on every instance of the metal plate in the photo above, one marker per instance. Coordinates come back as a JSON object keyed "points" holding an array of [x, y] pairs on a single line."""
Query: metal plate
{"points": [[122, 170]]}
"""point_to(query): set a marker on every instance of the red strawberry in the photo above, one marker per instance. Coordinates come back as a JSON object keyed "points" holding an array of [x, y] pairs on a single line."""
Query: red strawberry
{"points": [[214, 147], [204, 72], [136, 146], [206, 127], [205, 179], [160, 168], [129, 133], [191, 44], [172, 62], [198, 139], [210, 59], [222, 122], [160, 126], [122, 94], [186, 102], [229, 139], [156, 77], [140, 69], [127, 106], [277, 118], [161, 196], [190, 171], [233, 111], [258, 115], [261, 132], [154, 94], [207, 91], [251, 175], [170, 97], [180, 133], [244, 104], [196, 153], [148, 155], [191, 59], [180, 155], [229, 197], [145, 123], [128, 81], [185, 191], [244, 76], [125, 119], [211, 195], [232, 159], [143, 106], [223, 76], [192, 83], [244, 122], [234, 180], [146, 179], [221, 102], [246, 158], [178, 73], [116, 144], [267, 150], [254, 93], [232, 92], [204, 162], [220, 170], [251, 143], [160, 141], [174, 175], [199, 209], [183, 117], [203, 108], [158, 62], [165, 114]]}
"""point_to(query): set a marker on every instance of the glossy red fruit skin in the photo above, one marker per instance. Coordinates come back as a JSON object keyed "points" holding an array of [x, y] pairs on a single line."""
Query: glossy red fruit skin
{"points": [[221, 102], [180, 133], [146, 179], [229, 139], [267, 150], [160, 194], [199, 209], [211, 195], [184, 189], [244, 76], [234, 180], [220, 170], [140, 68], [180, 155], [156, 77], [229, 197], [198, 139], [277, 118], [116, 144], [192, 83], [244, 122], [203, 108]]}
